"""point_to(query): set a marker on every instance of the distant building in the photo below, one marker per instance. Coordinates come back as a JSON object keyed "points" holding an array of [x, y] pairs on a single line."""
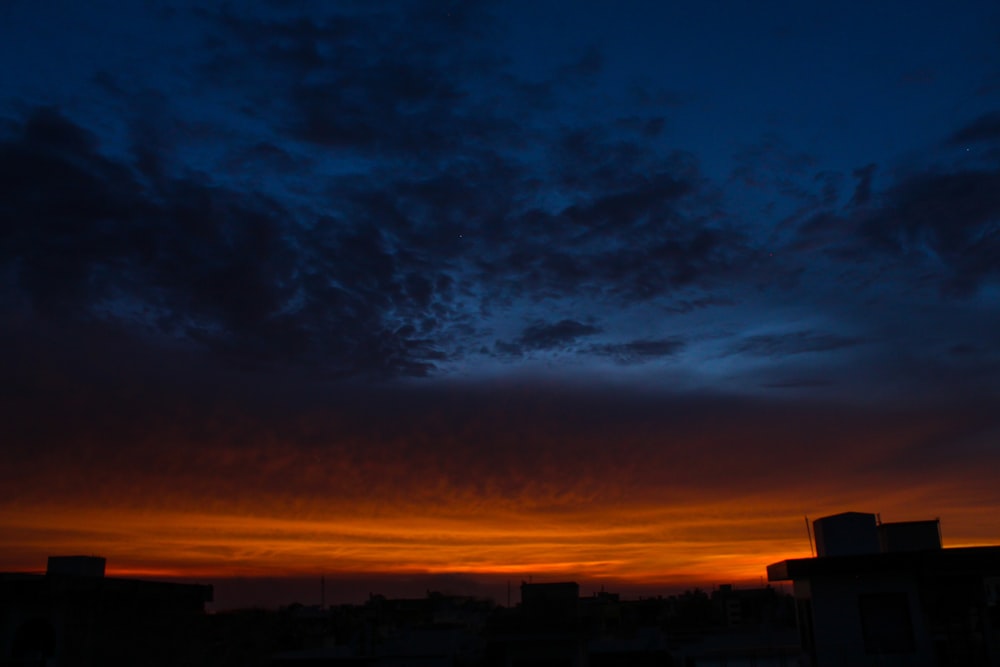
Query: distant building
{"points": [[889, 594], [552, 601], [74, 615], [752, 607], [82, 566], [554, 627]]}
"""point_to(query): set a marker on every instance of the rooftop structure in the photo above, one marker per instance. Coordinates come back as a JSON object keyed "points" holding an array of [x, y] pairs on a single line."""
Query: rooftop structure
{"points": [[889, 594]]}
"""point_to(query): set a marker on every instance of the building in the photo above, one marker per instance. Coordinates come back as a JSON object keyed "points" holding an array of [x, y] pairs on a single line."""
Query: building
{"points": [[556, 602], [74, 615], [890, 594]]}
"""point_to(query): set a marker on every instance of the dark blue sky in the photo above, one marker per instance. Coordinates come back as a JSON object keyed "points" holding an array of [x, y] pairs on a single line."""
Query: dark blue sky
{"points": [[286, 203], [713, 194]]}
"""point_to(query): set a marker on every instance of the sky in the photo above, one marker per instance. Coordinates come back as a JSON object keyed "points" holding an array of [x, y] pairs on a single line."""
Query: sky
{"points": [[469, 292]]}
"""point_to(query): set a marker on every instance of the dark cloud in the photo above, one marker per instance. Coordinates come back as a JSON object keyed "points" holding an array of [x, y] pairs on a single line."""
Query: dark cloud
{"points": [[588, 65], [797, 383], [639, 351], [636, 224], [372, 288], [634, 221], [65, 211], [964, 350], [952, 216], [403, 205], [831, 183], [456, 191], [85, 238], [266, 156], [526, 444], [648, 128], [548, 336], [797, 342], [823, 230], [543, 336], [927, 227], [863, 190], [683, 306], [986, 128], [772, 163], [388, 80], [591, 155]]}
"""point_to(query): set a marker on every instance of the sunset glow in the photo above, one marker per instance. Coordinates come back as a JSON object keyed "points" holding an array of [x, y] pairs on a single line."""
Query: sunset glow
{"points": [[636, 545]]}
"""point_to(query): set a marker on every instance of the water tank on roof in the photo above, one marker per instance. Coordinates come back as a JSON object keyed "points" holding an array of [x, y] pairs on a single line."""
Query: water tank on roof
{"points": [[846, 534], [910, 535]]}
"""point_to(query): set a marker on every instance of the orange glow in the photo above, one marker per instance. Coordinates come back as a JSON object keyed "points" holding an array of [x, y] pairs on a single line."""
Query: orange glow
{"points": [[634, 502], [649, 546]]}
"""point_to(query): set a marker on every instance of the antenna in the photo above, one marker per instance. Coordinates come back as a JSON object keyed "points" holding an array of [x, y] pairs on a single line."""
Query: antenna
{"points": [[812, 549], [322, 591]]}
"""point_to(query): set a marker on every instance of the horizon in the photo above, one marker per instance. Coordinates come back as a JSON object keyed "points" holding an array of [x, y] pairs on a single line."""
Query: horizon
{"points": [[328, 587], [236, 593]]}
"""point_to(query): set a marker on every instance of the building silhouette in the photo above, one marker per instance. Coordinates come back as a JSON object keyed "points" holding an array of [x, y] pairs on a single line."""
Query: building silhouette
{"points": [[886, 594], [74, 615], [890, 594]]}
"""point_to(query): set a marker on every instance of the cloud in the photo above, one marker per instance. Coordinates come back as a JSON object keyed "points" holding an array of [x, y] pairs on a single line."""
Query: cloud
{"points": [[86, 239], [390, 80], [863, 190], [951, 216], [772, 163], [460, 449], [64, 209], [383, 286], [796, 383], [932, 225], [986, 128], [792, 343], [588, 65], [639, 351], [377, 211], [453, 172], [545, 336]]}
